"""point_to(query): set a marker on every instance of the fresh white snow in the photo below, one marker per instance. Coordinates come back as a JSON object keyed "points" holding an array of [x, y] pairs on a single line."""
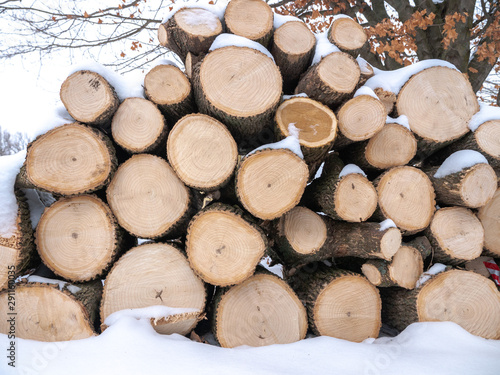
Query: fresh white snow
{"points": [[9, 168], [38, 279], [459, 161], [301, 95], [218, 8], [147, 313], [401, 120], [323, 47], [350, 169], [291, 143], [364, 65], [277, 269], [365, 90], [386, 224], [319, 172], [280, 20], [225, 40], [426, 276], [486, 113]]}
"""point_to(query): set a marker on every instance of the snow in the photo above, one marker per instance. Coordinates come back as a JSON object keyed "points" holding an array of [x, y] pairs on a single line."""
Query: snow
{"points": [[277, 269], [394, 80], [218, 9], [323, 47], [386, 224], [438, 1], [53, 118], [365, 90], [163, 62], [459, 161], [486, 113], [364, 65], [126, 86], [38, 279], [280, 20], [225, 40], [401, 120], [301, 95], [291, 143], [36, 206], [339, 16], [426, 276], [199, 17], [350, 169], [319, 172], [156, 312], [9, 168]]}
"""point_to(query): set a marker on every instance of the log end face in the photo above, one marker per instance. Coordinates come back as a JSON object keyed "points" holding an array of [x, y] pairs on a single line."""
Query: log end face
{"points": [[340, 72], [390, 243], [305, 230], [347, 34], [489, 215], [355, 198], [406, 267], [478, 186], [371, 273]]}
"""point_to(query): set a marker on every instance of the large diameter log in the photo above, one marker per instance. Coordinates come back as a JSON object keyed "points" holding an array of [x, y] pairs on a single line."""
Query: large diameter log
{"points": [[47, 312], [89, 98], [439, 102], [69, 160], [189, 30], [263, 310], [340, 304], [463, 297], [407, 197], [317, 127], [138, 126], [78, 238], [292, 48], [202, 152], [347, 35], [155, 274], [332, 80], [270, 182], [147, 197], [252, 19], [223, 247], [350, 197], [241, 87], [489, 215], [169, 88]]}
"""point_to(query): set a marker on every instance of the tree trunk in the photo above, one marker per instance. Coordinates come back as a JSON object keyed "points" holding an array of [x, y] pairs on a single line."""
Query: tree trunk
{"points": [[202, 152], [489, 215], [347, 35], [155, 274]]}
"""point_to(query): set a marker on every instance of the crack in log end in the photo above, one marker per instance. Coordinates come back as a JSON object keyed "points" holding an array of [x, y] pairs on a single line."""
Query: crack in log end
{"points": [[353, 186], [94, 83], [158, 294], [219, 250]]}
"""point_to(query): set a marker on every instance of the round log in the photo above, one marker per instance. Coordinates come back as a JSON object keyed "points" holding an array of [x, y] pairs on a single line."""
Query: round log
{"points": [[387, 98], [489, 215], [366, 71], [347, 35]]}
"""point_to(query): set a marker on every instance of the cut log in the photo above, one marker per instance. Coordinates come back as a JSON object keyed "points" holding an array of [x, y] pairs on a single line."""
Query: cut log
{"points": [[292, 48], [189, 30], [191, 61], [347, 35], [69, 160], [155, 274], [223, 247], [387, 98], [350, 197], [317, 127], [48, 312], [340, 304], [148, 199], [138, 126], [302, 236], [392, 146], [89, 98], [489, 215], [406, 196], [366, 72], [463, 297], [241, 87], [332, 80], [263, 310], [270, 182], [78, 238], [168, 87], [359, 119], [202, 152], [17, 251], [252, 19], [439, 102]]}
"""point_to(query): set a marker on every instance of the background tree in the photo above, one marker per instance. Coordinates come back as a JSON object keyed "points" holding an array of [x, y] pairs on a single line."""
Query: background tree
{"points": [[10, 143]]}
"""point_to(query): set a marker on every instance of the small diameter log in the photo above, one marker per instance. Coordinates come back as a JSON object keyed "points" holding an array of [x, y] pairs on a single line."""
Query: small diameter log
{"points": [[89, 98], [302, 236], [406, 196], [347, 35], [169, 88], [78, 238], [223, 247], [69, 160], [332, 80], [439, 102], [50, 312], [292, 48], [463, 297], [392, 146], [387, 98], [350, 197], [270, 182], [339, 304], [471, 187], [191, 61], [262, 310], [252, 19], [360, 118], [317, 127], [489, 215], [202, 152], [189, 30], [138, 126], [155, 274], [18, 250], [148, 199], [366, 72], [239, 86]]}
